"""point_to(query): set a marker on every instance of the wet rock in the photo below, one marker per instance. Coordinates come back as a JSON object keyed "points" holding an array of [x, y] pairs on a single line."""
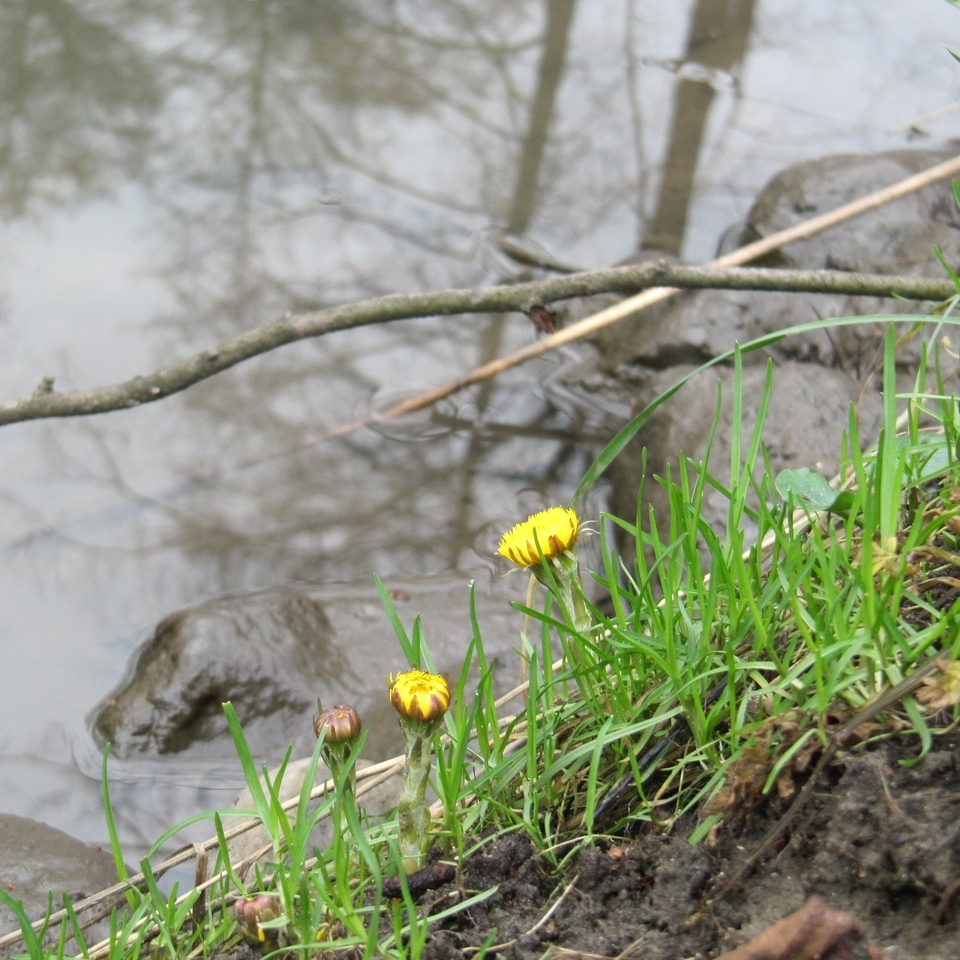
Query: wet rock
{"points": [[273, 653], [268, 654], [897, 238], [817, 375], [798, 431], [36, 859]]}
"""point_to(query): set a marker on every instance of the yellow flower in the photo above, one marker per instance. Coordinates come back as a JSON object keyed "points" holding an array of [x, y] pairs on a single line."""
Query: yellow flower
{"points": [[555, 530], [419, 695]]}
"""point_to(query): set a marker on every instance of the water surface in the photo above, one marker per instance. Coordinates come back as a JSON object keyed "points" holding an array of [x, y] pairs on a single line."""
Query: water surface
{"points": [[175, 173]]}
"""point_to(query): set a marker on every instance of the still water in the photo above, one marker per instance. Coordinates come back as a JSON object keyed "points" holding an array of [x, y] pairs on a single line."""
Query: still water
{"points": [[175, 172]]}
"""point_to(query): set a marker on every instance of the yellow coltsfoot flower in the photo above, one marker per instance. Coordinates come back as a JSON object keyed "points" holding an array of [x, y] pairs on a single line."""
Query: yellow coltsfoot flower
{"points": [[418, 695], [421, 699], [555, 530], [544, 545]]}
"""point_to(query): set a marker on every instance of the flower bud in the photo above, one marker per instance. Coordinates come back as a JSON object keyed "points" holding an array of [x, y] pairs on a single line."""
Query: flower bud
{"points": [[252, 911], [342, 724], [418, 695]]}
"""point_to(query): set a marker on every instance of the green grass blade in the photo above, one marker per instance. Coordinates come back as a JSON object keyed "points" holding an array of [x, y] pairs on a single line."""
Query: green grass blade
{"points": [[115, 847], [252, 779], [410, 650], [31, 940]]}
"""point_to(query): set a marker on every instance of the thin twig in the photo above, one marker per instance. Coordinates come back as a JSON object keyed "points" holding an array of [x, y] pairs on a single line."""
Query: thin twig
{"points": [[946, 898], [45, 402], [752, 251]]}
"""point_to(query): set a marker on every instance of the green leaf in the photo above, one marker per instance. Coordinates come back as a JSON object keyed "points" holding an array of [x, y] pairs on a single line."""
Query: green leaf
{"points": [[806, 488], [410, 647], [260, 803]]}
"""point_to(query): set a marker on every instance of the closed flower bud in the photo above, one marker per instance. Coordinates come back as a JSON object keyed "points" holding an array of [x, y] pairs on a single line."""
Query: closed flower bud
{"points": [[252, 911], [342, 724], [418, 695]]}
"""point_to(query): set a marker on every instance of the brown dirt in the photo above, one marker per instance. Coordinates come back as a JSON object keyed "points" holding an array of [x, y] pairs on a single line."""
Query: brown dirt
{"points": [[878, 838]]}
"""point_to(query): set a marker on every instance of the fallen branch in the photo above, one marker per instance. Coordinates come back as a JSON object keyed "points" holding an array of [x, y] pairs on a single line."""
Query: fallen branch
{"points": [[45, 402], [648, 298]]}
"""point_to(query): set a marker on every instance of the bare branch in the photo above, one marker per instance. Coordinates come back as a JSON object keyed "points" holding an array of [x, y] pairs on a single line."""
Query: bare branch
{"points": [[45, 402]]}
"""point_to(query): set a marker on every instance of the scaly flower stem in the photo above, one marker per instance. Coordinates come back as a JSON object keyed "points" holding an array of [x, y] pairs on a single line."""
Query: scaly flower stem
{"points": [[413, 813], [567, 586], [570, 586], [345, 776]]}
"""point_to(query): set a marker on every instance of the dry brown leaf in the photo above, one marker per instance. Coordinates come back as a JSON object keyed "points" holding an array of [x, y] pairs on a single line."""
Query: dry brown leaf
{"points": [[807, 934], [942, 690], [742, 790], [562, 953]]}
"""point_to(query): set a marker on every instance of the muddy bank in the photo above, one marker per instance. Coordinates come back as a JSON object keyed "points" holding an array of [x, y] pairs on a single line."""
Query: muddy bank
{"points": [[879, 839]]}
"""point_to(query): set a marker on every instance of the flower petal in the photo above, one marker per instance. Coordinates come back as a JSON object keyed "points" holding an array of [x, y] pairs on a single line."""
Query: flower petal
{"points": [[555, 530], [419, 695]]}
